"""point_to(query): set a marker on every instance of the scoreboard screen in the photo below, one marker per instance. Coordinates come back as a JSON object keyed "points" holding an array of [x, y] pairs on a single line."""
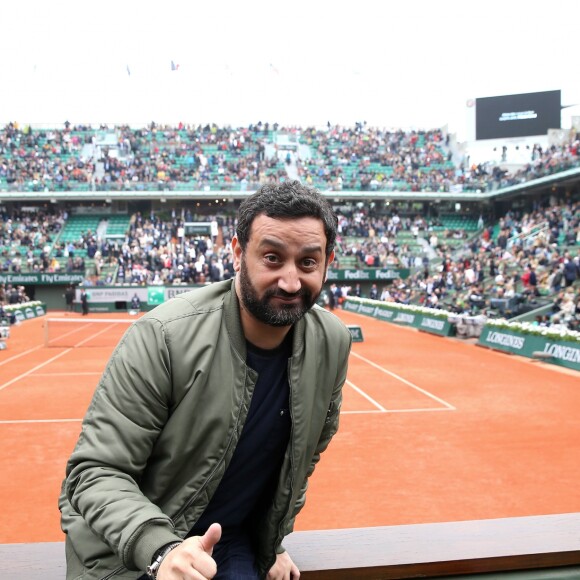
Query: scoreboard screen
{"points": [[197, 228], [524, 115]]}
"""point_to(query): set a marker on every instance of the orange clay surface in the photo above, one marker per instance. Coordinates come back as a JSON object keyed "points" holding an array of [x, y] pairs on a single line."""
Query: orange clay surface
{"points": [[432, 430]]}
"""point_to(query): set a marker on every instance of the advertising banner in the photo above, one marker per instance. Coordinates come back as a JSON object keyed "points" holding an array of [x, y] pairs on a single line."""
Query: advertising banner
{"points": [[26, 311], [40, 278], [356, 332], [111, 298], [104, 294], [506, 340], [559, 352], [171, 291], [368, 274], [155, 295], [398, 315], [433, 325]]}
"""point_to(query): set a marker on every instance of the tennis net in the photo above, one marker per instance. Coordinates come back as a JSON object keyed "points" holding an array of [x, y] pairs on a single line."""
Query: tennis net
{"points": [[81, 332]]}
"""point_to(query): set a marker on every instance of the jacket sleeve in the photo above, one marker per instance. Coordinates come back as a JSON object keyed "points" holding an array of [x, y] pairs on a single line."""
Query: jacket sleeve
{"points": [[329, 430], [128, 411]]}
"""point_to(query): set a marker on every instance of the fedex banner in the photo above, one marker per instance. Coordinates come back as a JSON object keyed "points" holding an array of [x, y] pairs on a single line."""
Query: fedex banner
{"points": [[368, 274]]}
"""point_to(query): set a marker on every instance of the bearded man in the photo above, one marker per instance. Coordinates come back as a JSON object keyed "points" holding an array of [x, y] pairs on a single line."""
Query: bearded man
{"points": [[213, 411]]}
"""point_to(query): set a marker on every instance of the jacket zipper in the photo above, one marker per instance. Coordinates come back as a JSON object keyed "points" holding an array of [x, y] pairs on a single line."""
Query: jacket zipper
{"points": [[282, 522], [192, 500], [113, 573]]}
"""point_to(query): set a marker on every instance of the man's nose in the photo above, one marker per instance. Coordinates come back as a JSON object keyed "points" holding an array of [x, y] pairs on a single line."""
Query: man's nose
{"points": [[290, 280]]}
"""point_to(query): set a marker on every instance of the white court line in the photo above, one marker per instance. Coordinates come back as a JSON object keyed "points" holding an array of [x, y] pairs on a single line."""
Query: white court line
{"points": [[371, 412], [78, 329], [21, 354], [394, 375], [66, 374], [42, 345], [21, 421], [94, 335], [363, 394], [374, 411], [15, 379]]}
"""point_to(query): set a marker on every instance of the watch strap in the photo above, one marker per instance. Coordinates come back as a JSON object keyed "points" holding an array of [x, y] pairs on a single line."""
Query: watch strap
{"points": [[153, 568]]}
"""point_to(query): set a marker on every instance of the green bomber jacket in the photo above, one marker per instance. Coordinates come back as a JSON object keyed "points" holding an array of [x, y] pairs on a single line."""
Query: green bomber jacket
{"points": [[164, 422]]}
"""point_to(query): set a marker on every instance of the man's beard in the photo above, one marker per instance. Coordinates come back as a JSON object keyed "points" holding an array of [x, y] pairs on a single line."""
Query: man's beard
{"points": [[265, 311]]}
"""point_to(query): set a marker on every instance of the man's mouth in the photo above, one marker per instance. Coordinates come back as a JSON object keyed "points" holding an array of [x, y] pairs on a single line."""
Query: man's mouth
{"points": [[292, 298]]}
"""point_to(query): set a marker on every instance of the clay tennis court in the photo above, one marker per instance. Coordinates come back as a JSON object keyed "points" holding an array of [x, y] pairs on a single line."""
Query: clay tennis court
{"points": [[432, 430]]}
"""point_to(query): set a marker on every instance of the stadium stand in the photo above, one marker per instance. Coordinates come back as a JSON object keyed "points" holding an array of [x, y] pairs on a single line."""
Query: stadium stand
{"points": [[213, 158], [456, 260]]}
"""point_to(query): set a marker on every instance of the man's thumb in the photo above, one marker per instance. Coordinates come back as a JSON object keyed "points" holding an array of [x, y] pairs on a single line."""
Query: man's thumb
{"points": [[211, 538]]}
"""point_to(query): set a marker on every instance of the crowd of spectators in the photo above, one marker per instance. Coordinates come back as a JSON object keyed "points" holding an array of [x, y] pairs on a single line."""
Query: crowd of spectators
{"points": [[223, 157], [373, 159], [157, 251], [532, 260], [543, 162], [521, 262], [26, 239], [13, 294], [10, 295], [43, 160], [235, 158]]}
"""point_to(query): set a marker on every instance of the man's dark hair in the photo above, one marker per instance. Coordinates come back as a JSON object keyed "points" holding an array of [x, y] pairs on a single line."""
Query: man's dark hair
{"points": [[287, 200]]}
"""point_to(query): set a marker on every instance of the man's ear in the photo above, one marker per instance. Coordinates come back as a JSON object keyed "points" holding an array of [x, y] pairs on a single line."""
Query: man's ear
{"points": [[328, 264], [237, 250]]}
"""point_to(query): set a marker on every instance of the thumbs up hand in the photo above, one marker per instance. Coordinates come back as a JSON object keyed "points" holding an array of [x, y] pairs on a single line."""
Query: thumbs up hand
{"points": [[192, 560]]}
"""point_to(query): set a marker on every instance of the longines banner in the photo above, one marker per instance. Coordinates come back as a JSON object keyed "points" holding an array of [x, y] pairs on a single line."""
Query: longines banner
{"points": [[563, 353], [370, 274], [37, 278]]}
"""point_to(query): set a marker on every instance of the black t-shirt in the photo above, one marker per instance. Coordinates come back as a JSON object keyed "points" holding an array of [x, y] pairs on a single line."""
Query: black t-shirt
{"points": [[250, 480]]}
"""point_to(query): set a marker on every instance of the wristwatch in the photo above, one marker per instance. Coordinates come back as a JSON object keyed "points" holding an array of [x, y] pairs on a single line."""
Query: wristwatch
{"points": [[153, 568]]}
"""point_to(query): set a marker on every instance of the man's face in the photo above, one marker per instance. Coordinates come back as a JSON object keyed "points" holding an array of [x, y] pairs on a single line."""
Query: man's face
{"points": [[282, 270]]}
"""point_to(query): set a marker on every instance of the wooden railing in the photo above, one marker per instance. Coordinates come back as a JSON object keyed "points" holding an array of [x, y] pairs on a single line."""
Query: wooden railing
{"points": [[527, 548], [541, 543]]}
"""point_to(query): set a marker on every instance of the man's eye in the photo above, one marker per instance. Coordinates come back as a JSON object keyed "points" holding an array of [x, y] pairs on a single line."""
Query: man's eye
{"points": [[271, 258], [309, 263]]}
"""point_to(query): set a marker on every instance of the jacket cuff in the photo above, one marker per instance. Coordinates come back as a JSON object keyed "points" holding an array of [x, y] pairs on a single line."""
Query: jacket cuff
{"points": [[152, 539], [280, 549]]}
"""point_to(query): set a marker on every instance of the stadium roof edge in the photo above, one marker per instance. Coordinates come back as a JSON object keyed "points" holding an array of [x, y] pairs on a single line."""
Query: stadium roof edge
{"points": [[53, 196]]}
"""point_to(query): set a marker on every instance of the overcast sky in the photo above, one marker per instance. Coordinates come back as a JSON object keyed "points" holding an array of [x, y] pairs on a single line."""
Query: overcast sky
{"points": [[390, 63]]}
